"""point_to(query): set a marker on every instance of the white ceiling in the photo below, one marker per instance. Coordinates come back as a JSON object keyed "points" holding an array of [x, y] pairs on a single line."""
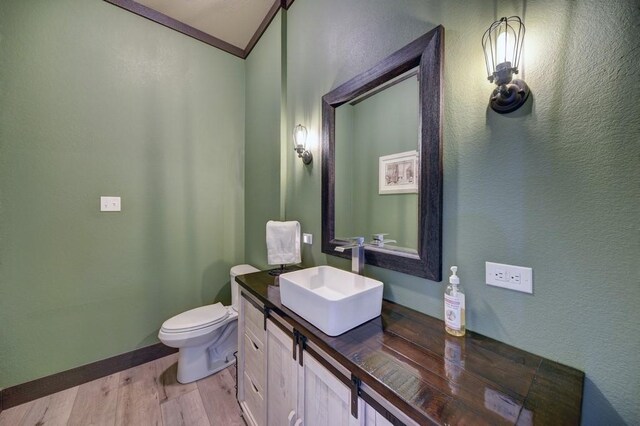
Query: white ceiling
{"points": [[234, 26], [233, 21]]}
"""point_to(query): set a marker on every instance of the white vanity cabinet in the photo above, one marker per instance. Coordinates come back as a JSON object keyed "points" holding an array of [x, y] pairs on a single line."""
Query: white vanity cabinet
{"points": [[302, 395], [276, 388]]}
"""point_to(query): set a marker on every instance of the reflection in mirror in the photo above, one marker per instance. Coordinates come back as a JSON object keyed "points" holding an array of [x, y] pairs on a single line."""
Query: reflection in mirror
{"points": [[378, 124], [364, 131]]}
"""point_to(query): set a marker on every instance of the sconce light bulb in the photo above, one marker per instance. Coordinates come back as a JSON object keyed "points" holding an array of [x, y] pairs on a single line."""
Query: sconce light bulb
{"points": [[505, 48], [300, 142], [300, 137]]}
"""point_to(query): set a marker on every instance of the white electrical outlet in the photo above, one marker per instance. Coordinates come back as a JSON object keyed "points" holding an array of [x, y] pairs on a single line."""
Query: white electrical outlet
{"points": [[512, 277], [109, 204], [307, 238]]}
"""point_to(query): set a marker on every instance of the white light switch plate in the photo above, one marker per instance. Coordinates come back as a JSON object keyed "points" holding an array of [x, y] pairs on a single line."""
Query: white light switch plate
{"points": [[516, 278], [307, 238], [109, 204]]}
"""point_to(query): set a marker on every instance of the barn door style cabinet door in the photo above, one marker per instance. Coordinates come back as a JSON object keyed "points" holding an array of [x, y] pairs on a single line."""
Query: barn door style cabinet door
{"points": [[327, 401], [300, 391], [282, 379]]}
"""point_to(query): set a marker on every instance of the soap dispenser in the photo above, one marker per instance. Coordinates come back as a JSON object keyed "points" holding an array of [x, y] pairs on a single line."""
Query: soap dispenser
{"points": [[454, 319]]}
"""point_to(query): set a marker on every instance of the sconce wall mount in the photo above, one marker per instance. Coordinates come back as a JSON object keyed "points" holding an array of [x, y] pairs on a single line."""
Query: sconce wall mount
{"points": [[300, 142], [502, 46]]}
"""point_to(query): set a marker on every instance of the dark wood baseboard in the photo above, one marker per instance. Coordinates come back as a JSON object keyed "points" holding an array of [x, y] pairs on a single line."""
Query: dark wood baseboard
{"points": [[25, 392]]}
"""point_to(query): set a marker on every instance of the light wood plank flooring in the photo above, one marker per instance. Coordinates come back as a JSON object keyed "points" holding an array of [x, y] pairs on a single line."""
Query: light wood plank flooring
{"points": [[145, 395]]}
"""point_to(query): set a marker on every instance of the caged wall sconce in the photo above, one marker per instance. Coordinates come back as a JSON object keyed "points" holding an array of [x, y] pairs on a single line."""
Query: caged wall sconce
{"points": [[300, 143], [502, 45]]}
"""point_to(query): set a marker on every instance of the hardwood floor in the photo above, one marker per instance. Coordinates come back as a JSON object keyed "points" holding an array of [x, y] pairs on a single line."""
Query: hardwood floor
{"points": [[148, 394]]}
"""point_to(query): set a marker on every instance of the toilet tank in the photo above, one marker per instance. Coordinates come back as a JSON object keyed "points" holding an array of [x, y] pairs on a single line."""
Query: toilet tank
{"points": [[235, 290]]}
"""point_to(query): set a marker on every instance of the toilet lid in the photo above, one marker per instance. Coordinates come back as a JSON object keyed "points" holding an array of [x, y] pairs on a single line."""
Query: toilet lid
{"points": [[197, 318]]}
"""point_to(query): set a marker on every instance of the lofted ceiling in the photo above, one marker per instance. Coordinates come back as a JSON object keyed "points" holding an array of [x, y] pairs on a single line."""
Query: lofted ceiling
{"points": [[234, 26]]}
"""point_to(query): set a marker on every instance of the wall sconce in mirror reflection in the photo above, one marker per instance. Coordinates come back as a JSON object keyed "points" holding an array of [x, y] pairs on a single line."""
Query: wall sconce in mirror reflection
{"points": [[502, 45], [300, 144]]}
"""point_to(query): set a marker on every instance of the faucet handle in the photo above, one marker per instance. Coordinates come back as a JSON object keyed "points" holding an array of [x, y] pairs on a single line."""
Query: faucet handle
{"points": [[378, 240], [355, 242]]}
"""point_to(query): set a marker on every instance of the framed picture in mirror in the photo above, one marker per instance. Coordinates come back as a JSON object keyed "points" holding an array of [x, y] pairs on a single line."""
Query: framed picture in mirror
{"points": [[398, 173]]}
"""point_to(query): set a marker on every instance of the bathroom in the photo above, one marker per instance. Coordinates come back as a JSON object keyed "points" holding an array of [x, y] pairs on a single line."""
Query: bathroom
{"points": [[197, 143]]}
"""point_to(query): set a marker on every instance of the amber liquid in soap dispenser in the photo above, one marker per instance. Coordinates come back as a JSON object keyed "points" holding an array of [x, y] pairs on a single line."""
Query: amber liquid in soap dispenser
{"points": [[454, 320]]}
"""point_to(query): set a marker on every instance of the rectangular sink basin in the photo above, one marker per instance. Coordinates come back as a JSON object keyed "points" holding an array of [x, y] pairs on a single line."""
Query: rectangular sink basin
{"points": [[333, 300]]}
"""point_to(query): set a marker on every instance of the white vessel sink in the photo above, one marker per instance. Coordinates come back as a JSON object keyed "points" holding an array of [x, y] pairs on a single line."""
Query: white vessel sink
{"points": [[333, 300]]}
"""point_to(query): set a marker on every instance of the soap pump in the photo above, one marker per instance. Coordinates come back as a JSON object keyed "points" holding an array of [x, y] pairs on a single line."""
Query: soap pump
{"points": [[454, 306]]}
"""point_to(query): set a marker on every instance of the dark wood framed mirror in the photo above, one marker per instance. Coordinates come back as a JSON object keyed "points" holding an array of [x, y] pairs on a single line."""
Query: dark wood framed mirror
{"points": [[426, 54]]}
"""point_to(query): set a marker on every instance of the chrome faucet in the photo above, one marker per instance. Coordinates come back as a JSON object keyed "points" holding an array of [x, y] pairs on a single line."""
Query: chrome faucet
{"points": [[357, 254]]}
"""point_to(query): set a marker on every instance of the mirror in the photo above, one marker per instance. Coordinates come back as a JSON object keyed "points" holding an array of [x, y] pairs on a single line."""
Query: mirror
{"points": [[376, 145], [382, 160]]}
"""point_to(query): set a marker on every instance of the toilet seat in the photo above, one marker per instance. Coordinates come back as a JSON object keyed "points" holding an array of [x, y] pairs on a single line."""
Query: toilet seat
{"points": [[196, 319]]}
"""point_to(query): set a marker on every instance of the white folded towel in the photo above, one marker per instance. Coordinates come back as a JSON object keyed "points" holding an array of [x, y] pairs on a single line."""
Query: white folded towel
{"points": [[283, 242]]}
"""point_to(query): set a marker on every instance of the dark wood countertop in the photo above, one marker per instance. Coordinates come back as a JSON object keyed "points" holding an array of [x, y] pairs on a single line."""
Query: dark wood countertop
{"points": [[401, 355]]}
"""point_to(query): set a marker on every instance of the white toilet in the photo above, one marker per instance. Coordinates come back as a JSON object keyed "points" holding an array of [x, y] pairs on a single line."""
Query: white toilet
{"points": [[206, 336]]}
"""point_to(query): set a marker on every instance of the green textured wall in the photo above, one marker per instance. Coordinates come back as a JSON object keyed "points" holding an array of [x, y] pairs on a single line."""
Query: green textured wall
{"points": [[264, 100], [553, 186], [97, 101]]}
